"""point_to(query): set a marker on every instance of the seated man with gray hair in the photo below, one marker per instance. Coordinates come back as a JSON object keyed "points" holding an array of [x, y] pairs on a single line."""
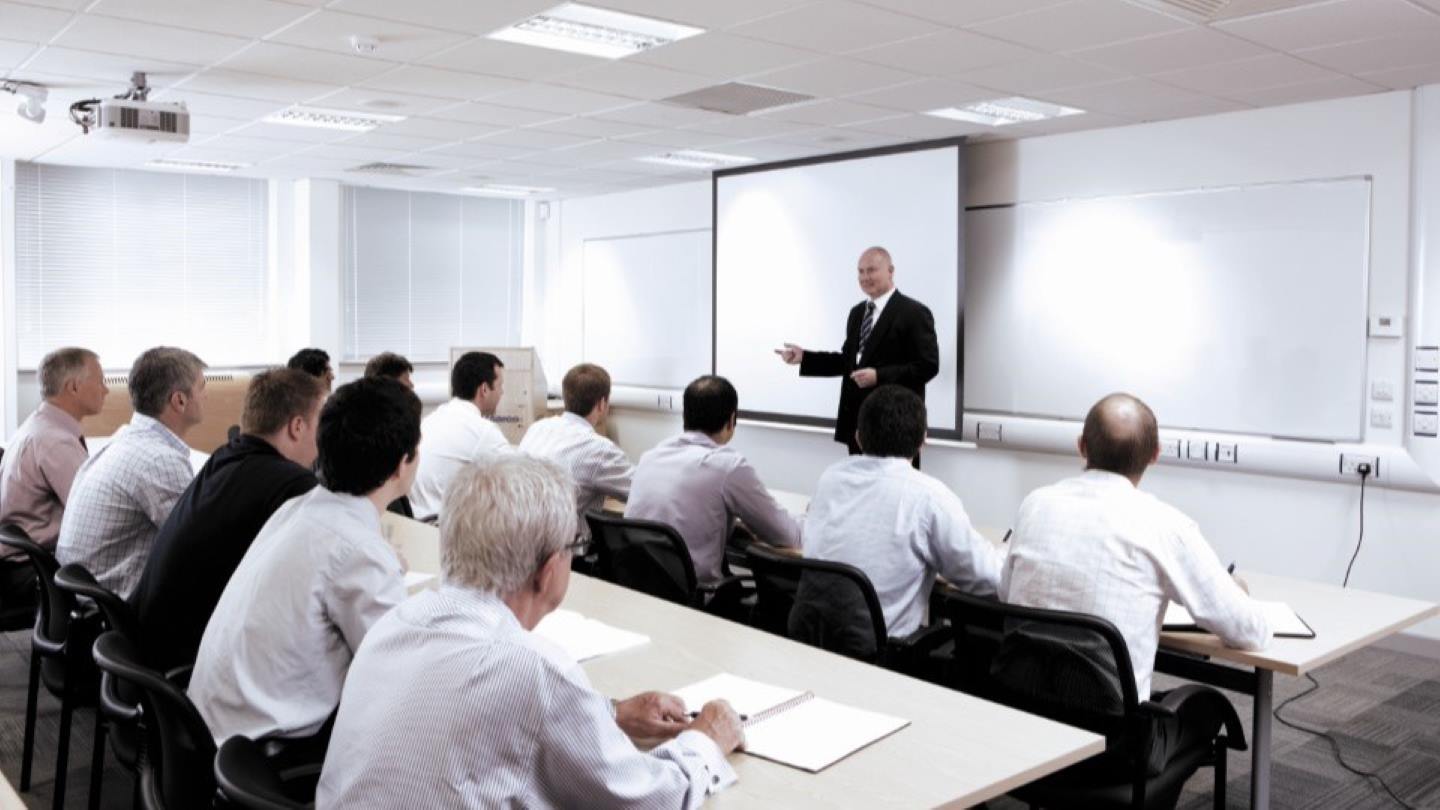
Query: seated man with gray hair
{"points": [[451, 701], [126, 490]]}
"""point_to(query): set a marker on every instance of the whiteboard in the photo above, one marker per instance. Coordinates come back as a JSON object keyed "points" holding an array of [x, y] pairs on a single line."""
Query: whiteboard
{"points": [[647, 307], [1236, 310], [787, 244]]}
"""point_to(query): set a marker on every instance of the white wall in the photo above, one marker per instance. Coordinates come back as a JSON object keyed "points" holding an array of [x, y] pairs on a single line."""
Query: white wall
{"points": [[1268, 523]]}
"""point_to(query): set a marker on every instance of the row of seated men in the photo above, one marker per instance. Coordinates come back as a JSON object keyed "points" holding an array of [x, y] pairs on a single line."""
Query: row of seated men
{"points": [[269, 572]]}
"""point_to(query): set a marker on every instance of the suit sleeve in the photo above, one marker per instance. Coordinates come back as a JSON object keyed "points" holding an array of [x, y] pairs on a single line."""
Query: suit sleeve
{"points": [[923, 350], [832, 364]]}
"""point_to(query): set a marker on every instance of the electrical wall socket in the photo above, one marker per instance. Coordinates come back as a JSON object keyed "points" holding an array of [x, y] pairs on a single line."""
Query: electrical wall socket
{"points": [[1350, 465]]}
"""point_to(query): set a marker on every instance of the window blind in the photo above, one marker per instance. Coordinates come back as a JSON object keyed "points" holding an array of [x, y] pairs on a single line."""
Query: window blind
{"points": [[118, 261], [424, 272]]}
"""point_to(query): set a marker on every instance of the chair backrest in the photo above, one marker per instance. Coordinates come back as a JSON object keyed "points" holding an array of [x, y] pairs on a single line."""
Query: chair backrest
{"points": [[54, 622], [247, 780], [837, 609], [775, 583], [645, 556], [119, 615], [179, 750]]}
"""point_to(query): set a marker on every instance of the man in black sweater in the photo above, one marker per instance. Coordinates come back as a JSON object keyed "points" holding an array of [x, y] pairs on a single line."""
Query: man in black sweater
{"points": [[223, 509]]}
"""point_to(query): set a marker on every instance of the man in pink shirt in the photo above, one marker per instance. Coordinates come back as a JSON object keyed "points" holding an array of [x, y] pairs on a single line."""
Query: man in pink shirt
{"points": [[42, 457]]}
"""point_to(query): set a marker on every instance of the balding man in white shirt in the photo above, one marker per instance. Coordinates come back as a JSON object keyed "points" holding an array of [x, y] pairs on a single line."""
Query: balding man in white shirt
{"points": [[895, 523], [460, 432], [597, 465], [453, 702]]}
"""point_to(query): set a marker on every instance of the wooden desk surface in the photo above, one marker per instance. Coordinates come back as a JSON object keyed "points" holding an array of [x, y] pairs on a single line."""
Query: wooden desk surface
{"points": [[957, 751], [9, 799]]}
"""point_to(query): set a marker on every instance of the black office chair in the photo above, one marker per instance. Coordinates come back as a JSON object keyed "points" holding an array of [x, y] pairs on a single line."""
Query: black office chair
{"points": [[652, 558], [248, 781], [59, 657], [119, 707], [401, 506], [177, 769], [1075, 669], [836, 608]]}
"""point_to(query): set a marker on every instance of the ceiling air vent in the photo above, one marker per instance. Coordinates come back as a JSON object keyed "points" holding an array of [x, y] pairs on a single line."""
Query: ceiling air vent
{"points": [[736, 98], [1198, 10], [394, 169]]}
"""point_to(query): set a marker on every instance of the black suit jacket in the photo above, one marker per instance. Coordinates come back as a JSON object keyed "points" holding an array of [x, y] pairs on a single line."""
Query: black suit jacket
{"points": [[902, 349]]}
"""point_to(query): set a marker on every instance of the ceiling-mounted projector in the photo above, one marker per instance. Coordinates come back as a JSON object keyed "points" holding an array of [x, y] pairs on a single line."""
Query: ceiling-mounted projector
{"points": [[131, 116]]}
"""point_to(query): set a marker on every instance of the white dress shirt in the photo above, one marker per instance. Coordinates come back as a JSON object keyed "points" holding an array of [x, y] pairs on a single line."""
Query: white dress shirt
{"points": [[454, 435], [119, 500], [451, 703], [699, 487], [274, 655], [597, 465], [1096, 544], [902, 528], [879, 308]]}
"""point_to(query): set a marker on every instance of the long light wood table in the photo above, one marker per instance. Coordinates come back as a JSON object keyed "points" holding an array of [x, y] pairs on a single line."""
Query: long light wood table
{"points": [[957, 751]]}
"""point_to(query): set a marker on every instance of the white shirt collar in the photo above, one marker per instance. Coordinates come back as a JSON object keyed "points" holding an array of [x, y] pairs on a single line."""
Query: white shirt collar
{"points": [[882, 301]]}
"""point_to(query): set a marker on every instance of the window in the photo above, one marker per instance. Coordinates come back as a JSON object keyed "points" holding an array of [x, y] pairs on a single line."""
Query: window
{"points": [[118, 261], [424, 272]]}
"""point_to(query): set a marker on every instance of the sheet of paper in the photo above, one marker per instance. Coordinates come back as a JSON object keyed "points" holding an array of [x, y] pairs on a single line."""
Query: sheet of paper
{"points": [[1284, 621], [584, 638], [817, 733], [747, 697]]}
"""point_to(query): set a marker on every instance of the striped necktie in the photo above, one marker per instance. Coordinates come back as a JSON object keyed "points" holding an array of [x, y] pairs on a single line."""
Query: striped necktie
{"points": [[865, 328]]}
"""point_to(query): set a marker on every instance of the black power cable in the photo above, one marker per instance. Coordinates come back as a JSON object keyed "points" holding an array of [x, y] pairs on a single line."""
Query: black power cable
{"points": [[1364, 470]]}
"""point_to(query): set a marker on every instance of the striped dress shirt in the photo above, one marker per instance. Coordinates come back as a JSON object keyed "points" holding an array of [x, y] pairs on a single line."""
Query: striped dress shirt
{"points": [[1096, 544], [38, 470], [451, 703], [597, 465], [119, 500]]}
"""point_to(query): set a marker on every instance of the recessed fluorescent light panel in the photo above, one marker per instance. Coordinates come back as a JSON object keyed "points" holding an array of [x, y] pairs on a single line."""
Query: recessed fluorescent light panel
{"points": [[500, 190], [693, 159], [594, 31], [321, 118], [194, 165], [1003, 111]]}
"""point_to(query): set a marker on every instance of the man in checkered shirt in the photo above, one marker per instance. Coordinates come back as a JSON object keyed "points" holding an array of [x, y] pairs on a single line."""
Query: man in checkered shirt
{"points": [[125, 491]]}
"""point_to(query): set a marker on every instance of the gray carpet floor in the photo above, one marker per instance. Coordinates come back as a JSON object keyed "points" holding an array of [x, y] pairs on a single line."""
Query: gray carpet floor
{"points": [[1382, 706]]}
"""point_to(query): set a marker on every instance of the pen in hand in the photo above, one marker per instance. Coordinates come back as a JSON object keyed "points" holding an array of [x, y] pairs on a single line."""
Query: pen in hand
{"points": [[693, 715]]}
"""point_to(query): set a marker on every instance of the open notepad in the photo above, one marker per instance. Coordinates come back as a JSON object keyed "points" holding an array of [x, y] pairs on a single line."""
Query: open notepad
{"points": [[792, 727], [1284, 621], [585, 638]]}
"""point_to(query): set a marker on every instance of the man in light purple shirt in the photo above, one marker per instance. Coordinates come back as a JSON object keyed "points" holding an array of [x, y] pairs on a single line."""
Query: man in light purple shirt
{"points": [[698, 484], [44, 455]]}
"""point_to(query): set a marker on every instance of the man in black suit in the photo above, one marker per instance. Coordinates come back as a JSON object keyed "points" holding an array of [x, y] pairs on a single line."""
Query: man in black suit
{"points": [[889, 338]]}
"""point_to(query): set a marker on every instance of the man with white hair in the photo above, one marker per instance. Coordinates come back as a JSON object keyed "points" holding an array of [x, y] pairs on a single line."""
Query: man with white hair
{"points": [[451, 701]]}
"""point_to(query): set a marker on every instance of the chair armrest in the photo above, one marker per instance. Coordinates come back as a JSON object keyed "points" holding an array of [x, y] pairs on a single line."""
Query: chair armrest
{"points": [[923, 641], [180, 676], [733, 581], [114, 706], [1173, 700]]}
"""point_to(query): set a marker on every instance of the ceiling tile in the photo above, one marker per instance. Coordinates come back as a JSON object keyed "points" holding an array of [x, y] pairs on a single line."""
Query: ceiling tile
{"points": [[399, 42], [1339, 87], [963, 12], [1405, 78], [741, 127], [1080, 24], [1329, 23], [302, 136], [1192, 47], [1245, 8], [1374, 55], [635, 80], [945, 53], [471, 16], [31, 24], [553, 98], [1140, 99], [203, 126], [826, 140], [1245, 74], [242, 146], [834, 76], [534, 139], [144, 39], [13, 53], [108, 68], [920, 126], [225, 106], [595, 152], [346, 151], [251, 85], [439, 83], [380, 140], [244, 18], [724, 56], [707, 14], [921, 96], [838, 27], [437, 129], [63, 5], [477, 150], [306, 64], [1039, 74], [829, 113], [595, 127], [677, 138], [1055, 126], [495, 115], [497, 58], [381, 101]]}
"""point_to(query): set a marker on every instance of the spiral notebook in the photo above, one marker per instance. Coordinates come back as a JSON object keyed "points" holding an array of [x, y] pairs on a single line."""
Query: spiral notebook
{"points": [[791, 726], [1284, 621]]}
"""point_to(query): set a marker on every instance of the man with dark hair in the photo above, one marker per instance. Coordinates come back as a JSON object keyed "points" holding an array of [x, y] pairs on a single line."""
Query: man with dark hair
{"points": [[1096, 544], [222, 511], [460, 431], [573, 440], [126, 490], [320, 573], [895, 523], [698, 484], [316, 363], [392, 365]]}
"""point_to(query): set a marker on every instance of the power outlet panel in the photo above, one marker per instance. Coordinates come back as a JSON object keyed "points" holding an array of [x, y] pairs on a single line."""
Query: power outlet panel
{"points": [[987, 431], [1350, 465]]}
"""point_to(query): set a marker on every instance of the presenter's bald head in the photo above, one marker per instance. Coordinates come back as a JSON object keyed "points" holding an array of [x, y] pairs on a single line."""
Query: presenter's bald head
{"points": [[876, 271]]}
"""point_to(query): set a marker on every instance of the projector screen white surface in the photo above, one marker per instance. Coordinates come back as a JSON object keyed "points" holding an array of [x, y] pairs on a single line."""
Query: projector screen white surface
{"points": [[787, 244], [1237, 310], [647, 307]]}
